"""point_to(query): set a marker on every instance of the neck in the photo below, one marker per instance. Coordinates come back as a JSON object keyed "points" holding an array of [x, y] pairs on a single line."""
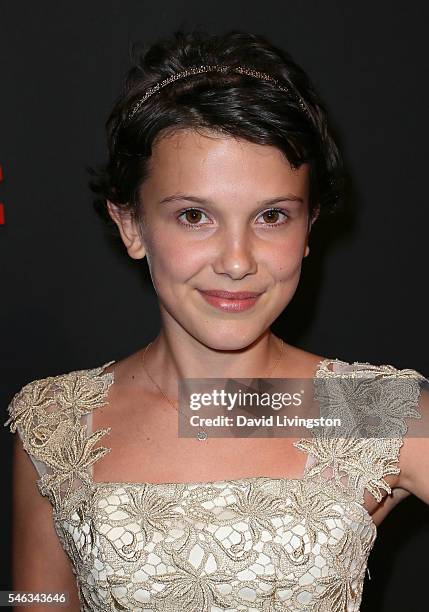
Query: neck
{"points": [[167, 360]]}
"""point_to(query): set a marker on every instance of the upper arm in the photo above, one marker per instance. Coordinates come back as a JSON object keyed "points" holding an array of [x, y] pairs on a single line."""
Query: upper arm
{"points": [[39, 563], [414, 454], [48, 415]]}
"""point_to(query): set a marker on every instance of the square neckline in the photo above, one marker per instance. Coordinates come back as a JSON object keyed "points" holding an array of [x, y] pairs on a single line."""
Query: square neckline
{"points": [[321, 366]]}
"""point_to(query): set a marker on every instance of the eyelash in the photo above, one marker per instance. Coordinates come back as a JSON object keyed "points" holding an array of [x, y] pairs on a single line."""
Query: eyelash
{"points": [[196, 226]]}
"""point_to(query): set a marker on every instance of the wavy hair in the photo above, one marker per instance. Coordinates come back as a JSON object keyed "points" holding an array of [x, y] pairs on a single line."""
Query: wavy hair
{"points": [[230, 104]]}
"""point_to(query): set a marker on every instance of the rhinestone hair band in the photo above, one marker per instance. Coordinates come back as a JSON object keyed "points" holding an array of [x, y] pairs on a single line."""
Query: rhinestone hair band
{"points": [[217, 68]]}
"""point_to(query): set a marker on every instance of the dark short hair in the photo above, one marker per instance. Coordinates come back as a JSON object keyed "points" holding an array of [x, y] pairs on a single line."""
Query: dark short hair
{"points": [[231, 104]]}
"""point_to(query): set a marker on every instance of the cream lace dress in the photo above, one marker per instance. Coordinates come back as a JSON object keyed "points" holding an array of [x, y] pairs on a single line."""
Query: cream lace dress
{"points": [[250, 544]]}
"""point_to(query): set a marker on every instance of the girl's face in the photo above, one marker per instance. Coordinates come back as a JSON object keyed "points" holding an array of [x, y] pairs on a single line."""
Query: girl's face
{"points": [[220, 214]]}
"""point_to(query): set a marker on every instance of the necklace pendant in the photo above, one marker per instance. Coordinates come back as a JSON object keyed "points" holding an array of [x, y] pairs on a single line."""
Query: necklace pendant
{"points": [[202, 435]]}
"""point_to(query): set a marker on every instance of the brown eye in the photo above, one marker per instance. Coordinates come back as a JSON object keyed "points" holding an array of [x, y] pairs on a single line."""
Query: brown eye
{"points": [[192, 215], [191, 218], [271, 215]]}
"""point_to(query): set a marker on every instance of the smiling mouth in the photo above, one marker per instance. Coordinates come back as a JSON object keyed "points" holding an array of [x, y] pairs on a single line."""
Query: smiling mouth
{"points": [[230, 301], [231, 295]]}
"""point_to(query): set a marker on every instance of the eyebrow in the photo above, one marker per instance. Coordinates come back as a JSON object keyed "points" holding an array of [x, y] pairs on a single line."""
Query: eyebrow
{"points": [[290, 197]]}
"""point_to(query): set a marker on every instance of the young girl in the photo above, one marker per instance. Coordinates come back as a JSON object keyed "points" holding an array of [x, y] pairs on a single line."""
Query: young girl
{"points": [[221, 159]]}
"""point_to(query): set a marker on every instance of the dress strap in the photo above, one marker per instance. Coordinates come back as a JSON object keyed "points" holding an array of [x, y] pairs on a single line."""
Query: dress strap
{"points": [[50, 416], [373, 403]]}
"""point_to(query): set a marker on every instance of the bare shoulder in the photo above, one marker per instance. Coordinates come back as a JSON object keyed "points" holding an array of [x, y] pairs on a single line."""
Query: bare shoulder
{"points": [[129, 380], [298, 363]]}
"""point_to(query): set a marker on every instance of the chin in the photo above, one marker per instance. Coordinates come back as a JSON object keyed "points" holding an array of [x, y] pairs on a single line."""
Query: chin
{"points": [[228, 340]]}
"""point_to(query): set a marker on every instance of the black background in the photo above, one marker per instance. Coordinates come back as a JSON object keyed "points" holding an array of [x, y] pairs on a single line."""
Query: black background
{"points": [[71, 300]]}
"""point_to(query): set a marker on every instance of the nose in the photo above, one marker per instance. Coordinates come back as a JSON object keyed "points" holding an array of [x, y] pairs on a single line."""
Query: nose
{"points": [[235, 255]]}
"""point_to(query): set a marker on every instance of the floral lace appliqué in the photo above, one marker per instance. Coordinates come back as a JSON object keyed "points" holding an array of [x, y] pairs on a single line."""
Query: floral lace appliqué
{"points": [[255, 544]]}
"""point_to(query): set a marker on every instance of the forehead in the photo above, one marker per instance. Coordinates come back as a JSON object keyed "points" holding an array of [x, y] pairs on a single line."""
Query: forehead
{"points": [[187, 159]]}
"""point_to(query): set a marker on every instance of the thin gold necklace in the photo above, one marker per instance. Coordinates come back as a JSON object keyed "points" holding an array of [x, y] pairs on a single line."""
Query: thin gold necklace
{"points": [[202, 435]]}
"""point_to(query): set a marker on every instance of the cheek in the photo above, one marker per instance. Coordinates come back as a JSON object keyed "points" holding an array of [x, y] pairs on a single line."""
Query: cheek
{"points": [[285, 260], [175, 258], [180, 257]]}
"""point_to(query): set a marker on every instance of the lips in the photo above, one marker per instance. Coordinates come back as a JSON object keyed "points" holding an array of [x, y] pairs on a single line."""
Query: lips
{"points": [[229, 301], [231, 295]]}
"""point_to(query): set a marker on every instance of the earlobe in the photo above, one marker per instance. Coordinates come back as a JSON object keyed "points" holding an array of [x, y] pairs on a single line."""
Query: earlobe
{"points": [[128, 231]]}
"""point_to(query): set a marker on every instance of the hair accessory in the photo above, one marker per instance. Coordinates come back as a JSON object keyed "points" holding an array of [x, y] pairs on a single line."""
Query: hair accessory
{"points": [[218, 68]]}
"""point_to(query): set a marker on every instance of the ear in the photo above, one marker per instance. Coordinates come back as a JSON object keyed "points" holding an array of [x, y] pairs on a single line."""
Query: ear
{"points": [[128, 230], [314, 216]]}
